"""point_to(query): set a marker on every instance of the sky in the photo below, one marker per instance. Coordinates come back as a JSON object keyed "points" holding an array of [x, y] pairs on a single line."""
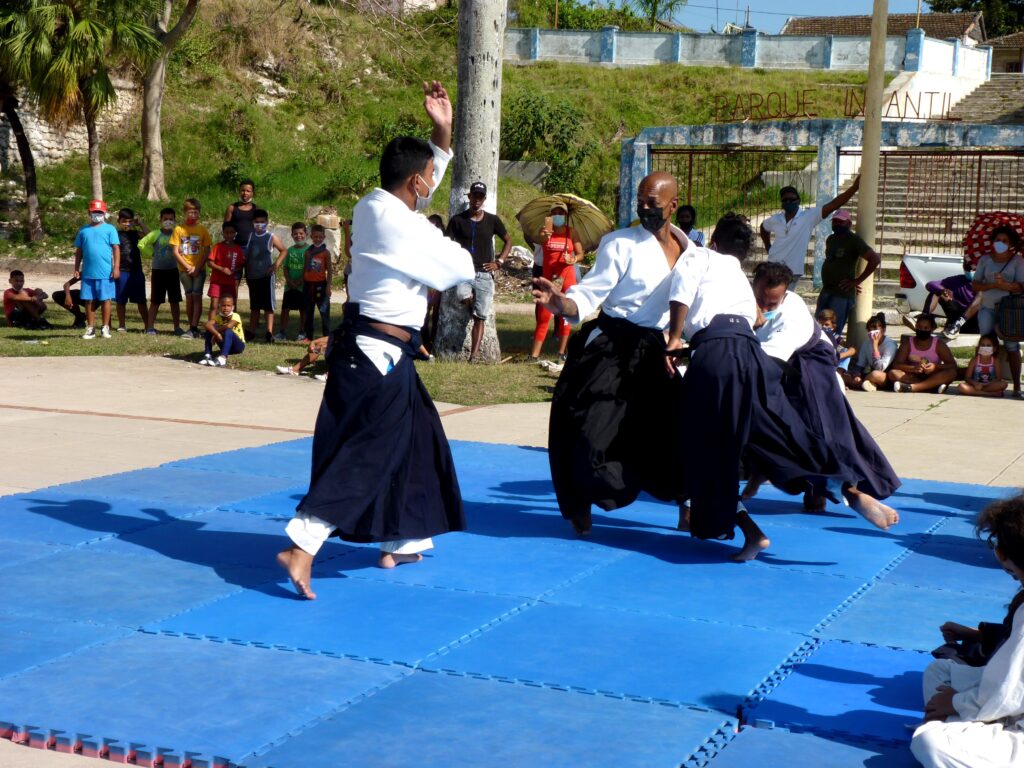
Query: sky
{"points": [[769, 15]]}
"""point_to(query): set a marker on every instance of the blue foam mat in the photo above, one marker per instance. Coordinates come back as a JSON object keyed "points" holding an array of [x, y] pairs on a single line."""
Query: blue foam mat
{"points": [[448, 722], [26, 643], [868, 693], [289, 460], [771, 747]]}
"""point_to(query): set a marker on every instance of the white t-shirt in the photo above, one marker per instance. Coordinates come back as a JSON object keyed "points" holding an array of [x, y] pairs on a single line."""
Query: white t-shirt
{"points": [[789, 244], [711, 284]]}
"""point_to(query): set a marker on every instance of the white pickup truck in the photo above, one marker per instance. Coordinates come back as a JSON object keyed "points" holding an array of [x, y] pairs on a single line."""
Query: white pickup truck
{"points": [[919, 269]]}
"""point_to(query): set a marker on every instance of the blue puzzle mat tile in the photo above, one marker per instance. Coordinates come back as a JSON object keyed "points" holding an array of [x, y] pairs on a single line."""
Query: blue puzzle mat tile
{"points": [[869, 693], [215, 698], [942, 563], [955, 498], [280, 503], [458, 721], [691, 588], [350, 616], [771, 747], [53, 516], [909, 617], [17, 553], [120, 589], [216, 538], [168, 484], [25, 643], [290, 460], [627, 654], [524, 567]]}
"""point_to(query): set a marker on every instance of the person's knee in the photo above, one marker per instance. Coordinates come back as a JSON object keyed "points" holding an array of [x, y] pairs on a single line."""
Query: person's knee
{"points": [[893, 375], [930, 745]]}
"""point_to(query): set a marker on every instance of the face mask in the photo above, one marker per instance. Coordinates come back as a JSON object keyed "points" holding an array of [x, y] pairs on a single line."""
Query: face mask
{"points": [[96, 218], [791, 207], [1000, 247], [875, 333], [969, 274], [260, 227], [651, 219], [922, 335], [558, 221], [985, 351], [167, 225], [840, 229], [770, 314], [422, 203], [226, 312]]}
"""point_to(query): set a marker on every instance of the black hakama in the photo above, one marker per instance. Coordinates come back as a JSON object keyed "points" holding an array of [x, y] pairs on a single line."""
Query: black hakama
{"points": [[382, 467], [734, 410], [610, 434], [815, 393]]}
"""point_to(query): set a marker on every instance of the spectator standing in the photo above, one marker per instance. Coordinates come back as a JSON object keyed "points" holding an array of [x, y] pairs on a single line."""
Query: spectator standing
{"points": [[923, 362], [686, 218], [998, 275], [226, 261], [163, 274], [294, 287], [24, 307], [97, 264], [131, 285], [561, 250], [793, 227], [260, 272], [317, 278], [191, 243], [840, 282], [240, 213], [474, 229]]}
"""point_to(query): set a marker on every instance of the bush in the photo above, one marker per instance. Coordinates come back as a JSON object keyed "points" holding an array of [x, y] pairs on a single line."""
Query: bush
{"points": [[353, 179], [573, 14]]}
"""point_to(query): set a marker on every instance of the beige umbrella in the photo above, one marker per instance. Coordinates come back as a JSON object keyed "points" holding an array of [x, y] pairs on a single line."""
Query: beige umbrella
{"points": [[584, 218]]}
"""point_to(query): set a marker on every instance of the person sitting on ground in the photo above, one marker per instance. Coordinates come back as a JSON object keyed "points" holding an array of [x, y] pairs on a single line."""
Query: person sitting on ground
{"points": [[998, 275], [686, 218], [226, 262], [827, 320], [955, 295], [24, 307], [317, 348], [226, 331], [979, 722], [923, 362], [71, 300], [983, 379], [131, 285], [871, 368]]}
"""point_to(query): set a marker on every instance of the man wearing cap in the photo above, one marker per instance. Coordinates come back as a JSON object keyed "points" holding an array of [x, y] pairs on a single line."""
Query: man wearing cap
{"points": [[840, 282], [474, 229], [97, 265]]}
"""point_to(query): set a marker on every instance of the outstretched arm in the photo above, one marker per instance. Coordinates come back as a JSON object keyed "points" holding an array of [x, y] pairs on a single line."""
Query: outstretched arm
{"points": [[840, 200], [439, 109]]}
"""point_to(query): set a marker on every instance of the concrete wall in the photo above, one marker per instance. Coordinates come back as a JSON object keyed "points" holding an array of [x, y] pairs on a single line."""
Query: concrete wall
{"points": [[936, 56], [851, 53], [710, 49], [642, 47], [791, 52]]}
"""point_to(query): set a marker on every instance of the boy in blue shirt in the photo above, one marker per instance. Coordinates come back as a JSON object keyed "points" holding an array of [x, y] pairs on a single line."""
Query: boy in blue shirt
{"points": [[97, 264]]}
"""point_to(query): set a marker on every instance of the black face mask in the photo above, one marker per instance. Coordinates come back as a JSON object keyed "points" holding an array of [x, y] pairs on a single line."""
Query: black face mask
{"points": [[923, 335], [651, 219]]}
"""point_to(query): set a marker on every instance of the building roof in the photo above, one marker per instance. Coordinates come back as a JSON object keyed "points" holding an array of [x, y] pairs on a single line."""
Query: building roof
{"points": [[1015, 40], [940, 26]]}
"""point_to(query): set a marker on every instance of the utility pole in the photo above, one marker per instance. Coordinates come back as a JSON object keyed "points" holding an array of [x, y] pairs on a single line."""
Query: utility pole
{"points": [[477, 136], [867, 199]]}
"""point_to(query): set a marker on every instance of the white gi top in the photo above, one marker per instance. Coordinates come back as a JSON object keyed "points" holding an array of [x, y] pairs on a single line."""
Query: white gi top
{"points": [[999, 695], [630, 278], [792, 237], [711, 284], [789, 329], [396, 256]]}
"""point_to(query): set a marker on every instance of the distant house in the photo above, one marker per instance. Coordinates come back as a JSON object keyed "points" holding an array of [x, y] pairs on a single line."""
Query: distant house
{"points": [[1007, 52], [968, 28]]}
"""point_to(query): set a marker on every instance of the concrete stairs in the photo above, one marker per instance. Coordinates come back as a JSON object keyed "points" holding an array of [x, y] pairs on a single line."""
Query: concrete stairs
{"points": [[999, 101]]}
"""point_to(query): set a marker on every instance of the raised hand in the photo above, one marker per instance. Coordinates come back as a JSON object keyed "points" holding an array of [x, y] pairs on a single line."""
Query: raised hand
{"points": [[436, 103]]}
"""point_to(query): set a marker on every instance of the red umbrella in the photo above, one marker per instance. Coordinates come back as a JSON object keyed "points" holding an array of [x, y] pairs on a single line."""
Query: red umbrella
{"points": [[978, 240]]}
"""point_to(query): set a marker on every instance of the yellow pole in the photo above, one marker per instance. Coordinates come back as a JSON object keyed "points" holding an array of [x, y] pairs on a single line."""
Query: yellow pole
{"points": [[867, 199]]}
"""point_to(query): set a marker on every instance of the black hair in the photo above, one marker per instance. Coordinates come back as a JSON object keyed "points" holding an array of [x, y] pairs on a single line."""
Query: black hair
{"points": [[790, 188], [125, 213], [193, 202], [318, 228], [17, 273], [1009, 231], [927, 317], [826, 315], [436, 220], [733, 235], [228, 225], [402, 158], [878, 319], [1002, 525], [773, 273], [247, 182], [259, 213], [168, 212], [298, 225], [993, 338], [687, 207]]}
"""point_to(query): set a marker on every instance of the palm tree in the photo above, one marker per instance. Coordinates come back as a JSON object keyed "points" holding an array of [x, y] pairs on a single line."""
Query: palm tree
{"points": [[654, 11], [73, 46]]}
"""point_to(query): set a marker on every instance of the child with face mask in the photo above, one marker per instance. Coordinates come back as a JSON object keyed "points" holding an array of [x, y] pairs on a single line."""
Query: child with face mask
{"points": [[874, 359], [923, 362], [983, 379], [226, 331], [164, 284]]}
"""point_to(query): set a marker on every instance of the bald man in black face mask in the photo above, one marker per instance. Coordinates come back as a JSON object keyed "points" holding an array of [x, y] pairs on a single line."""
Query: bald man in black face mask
{"points": [[606, 443]]}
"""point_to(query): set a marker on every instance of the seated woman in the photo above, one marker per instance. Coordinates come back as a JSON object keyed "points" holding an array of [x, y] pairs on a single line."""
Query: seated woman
{"points": [[869, 371], [923, 362]]}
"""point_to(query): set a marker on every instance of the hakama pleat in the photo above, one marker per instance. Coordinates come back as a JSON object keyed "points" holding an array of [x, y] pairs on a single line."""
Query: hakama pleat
{"points": [[816, 395], [734, 410], [610, 434], [382, 468]]}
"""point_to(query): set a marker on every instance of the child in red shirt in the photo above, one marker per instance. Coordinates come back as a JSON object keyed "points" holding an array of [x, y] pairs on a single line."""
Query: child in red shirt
{"points": [[226, 261]]}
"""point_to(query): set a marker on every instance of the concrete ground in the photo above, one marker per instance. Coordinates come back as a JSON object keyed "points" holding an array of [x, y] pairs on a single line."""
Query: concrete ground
{"points": [[66, 419]]}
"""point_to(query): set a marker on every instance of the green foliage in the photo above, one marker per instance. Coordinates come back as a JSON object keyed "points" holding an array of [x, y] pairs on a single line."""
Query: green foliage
{"points": [[653, 11], [196, 52], [575, 14], [1001, 17], [352, 180]]}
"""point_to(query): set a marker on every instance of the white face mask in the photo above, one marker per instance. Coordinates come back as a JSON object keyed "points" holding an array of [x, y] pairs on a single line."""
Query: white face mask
{"points": [[227, 313], [422, 203], [167, 225], [985, 351], [97, 218], [259, 227], [1000, 247]]}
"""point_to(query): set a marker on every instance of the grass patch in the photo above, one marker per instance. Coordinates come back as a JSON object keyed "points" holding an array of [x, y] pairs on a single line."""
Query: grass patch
{"points": [[449, 382]]}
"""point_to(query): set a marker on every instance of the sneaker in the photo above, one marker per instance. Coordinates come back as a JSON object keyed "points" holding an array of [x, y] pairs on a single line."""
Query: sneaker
{"points": [[222, 362], [279, 336], [942, 388], [105, 331], [178, 332], [563, 358], [301, 337], [183, 334], [122, 329], [268, 337], [195, 333], [90, 333], [207, 360], [900, 386], [867, 386], [320, 376], [285, 370], [951, 332], [151, 331]]}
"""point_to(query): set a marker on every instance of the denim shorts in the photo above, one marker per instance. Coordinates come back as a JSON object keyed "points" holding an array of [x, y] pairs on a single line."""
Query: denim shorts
{"points": [[98, 289], [483, 295], [192, 285]]}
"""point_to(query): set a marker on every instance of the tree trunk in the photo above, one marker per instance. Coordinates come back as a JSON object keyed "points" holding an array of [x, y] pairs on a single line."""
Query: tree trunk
{"points": [[95, 167], [477, 138], [153, 183], [9, 107]]}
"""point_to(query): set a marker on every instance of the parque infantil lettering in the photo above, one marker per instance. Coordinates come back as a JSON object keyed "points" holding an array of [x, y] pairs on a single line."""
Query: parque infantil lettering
{"points": [[775, 105]]}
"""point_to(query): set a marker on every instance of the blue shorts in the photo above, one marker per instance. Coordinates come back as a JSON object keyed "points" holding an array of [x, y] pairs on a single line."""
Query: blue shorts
{"points": [[98, 289], [131, 287]]}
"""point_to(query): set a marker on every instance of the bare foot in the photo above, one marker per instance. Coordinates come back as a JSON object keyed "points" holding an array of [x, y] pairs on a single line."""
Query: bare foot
{"points": [[814, 503], [299, 566], [390, 560], [684, 518], [872, 510], [753, 485], [751, 549]]}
